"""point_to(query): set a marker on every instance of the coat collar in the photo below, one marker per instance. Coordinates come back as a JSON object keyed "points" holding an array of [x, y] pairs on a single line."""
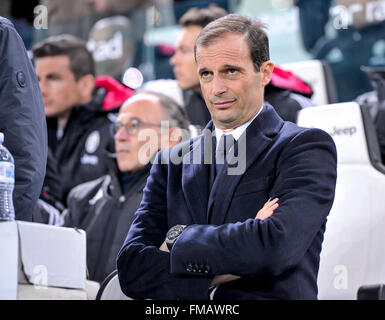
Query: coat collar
{"points": [[196, 174], [200, 197], [256, 139]]}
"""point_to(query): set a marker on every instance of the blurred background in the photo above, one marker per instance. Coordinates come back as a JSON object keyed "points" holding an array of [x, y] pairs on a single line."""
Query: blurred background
{"points": [[335, 46], [346, 34]]}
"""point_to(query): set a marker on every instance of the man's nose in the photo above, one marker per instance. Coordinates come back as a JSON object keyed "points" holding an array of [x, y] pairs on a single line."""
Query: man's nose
{"points": [[174, 59], [121, 134], [218, 86], [43, 87]]}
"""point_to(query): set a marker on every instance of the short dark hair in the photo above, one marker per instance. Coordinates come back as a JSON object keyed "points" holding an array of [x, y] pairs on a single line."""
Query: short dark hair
{"points": [[252, 30], [81, 61], [201, 17]]}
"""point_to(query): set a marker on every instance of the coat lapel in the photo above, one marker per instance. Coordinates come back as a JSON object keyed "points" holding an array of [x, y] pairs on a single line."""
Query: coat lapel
{"points": [[213, 184], [196, 176], [257, 138]]}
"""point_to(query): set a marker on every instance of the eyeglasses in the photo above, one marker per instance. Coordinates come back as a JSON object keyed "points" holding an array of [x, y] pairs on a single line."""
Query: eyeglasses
{"points": [[132, 127]]}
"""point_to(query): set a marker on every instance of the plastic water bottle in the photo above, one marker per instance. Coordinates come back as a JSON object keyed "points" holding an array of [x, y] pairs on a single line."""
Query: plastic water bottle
{"points": [[7, 182]]}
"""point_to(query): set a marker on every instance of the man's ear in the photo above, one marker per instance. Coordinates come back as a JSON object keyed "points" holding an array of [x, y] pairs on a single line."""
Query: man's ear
{"points": [[86, 85], [267, 71]]}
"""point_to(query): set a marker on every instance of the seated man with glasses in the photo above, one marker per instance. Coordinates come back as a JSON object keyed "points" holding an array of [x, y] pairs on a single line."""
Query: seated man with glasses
{"points": [[105, 207]]}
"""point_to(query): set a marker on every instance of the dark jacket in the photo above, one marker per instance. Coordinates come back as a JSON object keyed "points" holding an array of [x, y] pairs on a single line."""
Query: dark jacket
{"points": [[375, 101], [105, 212], [288, 94], [22, 120], [349, 46], [80, 154], [196, 108], [277, 258], [72, 159]]}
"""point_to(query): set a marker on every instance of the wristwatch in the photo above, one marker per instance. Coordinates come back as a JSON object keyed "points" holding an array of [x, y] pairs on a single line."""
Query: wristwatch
{"points": [[173, 234]]}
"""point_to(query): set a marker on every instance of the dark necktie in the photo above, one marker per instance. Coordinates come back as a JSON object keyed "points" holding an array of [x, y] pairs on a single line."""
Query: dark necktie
{"points": [[224, 145]]}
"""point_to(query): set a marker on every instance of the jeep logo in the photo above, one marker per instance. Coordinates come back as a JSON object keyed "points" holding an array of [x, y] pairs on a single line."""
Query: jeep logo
{"points": [[349, 131]]}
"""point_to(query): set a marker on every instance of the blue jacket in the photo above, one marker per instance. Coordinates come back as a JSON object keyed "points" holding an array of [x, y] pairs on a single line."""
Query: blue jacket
{"points": [[277, 258], [22, 120]]}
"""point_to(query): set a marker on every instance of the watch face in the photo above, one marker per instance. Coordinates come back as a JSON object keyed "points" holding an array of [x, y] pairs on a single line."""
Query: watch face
{"points": [[174, 232]]}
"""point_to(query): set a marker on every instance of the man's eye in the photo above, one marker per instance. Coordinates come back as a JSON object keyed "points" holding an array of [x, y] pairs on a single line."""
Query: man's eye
{"points": [[132, 126], [185, 50], [205, 74], [232, 71], [53, 77]]}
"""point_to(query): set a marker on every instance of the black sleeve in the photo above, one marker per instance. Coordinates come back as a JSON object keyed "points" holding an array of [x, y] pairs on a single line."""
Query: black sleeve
{"points": [[22, 120], [380, 130], [52, 187], [281, 101], [313, 16]]}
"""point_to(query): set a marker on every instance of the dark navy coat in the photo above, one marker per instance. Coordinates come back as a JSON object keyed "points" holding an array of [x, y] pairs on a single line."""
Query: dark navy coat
{"points": [[277, 258], [22, 120], [105, 211]]}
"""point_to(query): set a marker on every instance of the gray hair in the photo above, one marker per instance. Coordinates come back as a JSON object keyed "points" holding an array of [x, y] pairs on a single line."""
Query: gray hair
{"points": [[176, 114]]}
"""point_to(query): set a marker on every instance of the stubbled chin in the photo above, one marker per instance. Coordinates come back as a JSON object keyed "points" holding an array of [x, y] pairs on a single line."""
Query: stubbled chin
{"points": [[225, 123], [50, 113], [224, 115], [123, 166]]}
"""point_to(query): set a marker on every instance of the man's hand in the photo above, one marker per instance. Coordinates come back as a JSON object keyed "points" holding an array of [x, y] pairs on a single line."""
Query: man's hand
{"points": [[222, 278], [267, 209], [164, 247], [266, 212]]}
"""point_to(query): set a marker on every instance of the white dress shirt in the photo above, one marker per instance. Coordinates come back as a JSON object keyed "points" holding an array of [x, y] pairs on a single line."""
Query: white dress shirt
{"points": [[237, 132]]}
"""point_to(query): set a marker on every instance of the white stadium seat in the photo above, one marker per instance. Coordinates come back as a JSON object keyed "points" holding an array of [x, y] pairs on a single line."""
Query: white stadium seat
{"points": [[110, 289], [319, 76], [43, 262], [353, 249]]}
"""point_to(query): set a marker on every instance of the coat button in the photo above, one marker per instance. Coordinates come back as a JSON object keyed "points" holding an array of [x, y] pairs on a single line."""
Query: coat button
{"points": [[20, 77]]}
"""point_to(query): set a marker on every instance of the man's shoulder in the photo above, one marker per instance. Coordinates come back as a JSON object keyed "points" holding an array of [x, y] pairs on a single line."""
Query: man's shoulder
{"points": [[293, 134], [93, 109], [294, 129], [11, 44], [184, 146], [6, 24], [175, 154], [91, 119], [273, 126], [87, 189], [9, 36]]}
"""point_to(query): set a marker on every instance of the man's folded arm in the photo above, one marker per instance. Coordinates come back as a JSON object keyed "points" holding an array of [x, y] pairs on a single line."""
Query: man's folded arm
{"points": [[143, 269], [305, 184]]}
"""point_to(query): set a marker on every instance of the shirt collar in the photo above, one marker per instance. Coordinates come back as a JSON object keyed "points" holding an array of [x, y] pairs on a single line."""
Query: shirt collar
{"points": [[237, 132]]}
